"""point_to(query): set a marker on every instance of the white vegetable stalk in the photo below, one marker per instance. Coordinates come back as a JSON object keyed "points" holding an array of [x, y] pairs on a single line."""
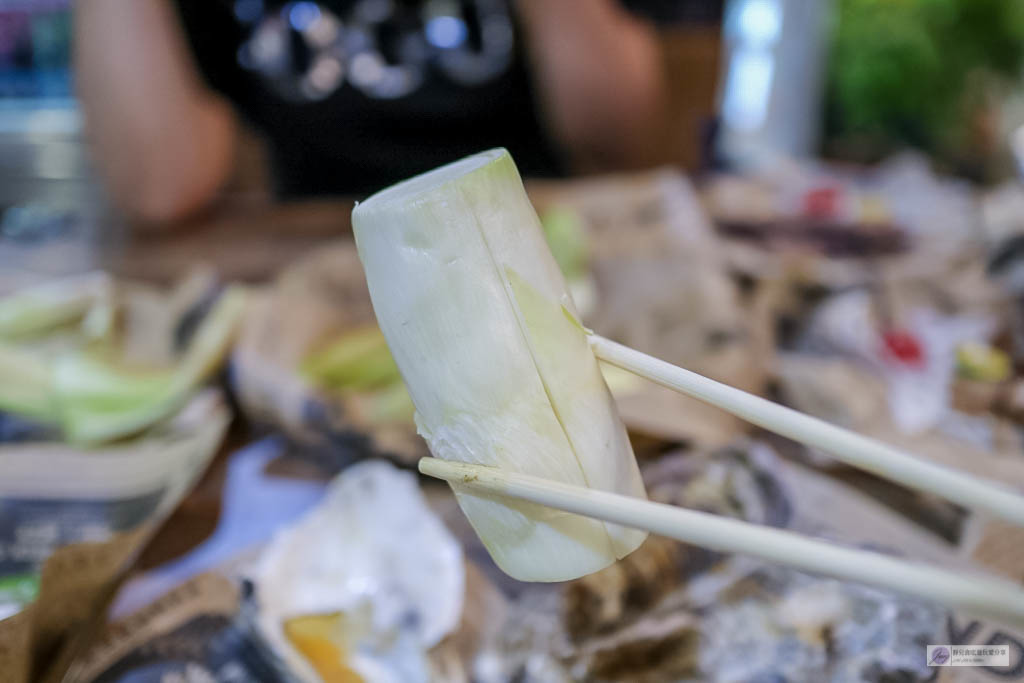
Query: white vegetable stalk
{"points": [[488, 340]]}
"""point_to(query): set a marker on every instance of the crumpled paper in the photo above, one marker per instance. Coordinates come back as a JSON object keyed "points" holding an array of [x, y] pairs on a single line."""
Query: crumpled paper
{"points": [[671, 612], [374, 553]]}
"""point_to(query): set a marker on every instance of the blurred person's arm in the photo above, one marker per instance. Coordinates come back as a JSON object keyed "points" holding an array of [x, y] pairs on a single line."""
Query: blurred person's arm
{"points": [[601, 80], [162, 140]]}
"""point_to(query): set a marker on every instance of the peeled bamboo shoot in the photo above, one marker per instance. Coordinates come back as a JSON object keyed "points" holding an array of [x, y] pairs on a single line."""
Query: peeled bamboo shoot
{"points": [[488, 340]]}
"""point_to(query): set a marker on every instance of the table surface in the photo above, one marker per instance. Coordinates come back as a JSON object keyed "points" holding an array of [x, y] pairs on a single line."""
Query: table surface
{"points": [[246, 236], [244, 239]]}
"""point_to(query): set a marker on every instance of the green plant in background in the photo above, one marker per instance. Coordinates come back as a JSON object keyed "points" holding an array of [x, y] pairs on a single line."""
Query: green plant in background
{"points": [[909, 72]]}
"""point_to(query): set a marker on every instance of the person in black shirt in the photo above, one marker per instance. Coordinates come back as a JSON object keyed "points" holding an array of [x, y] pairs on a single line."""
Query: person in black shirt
{"points": [[354, 95]]}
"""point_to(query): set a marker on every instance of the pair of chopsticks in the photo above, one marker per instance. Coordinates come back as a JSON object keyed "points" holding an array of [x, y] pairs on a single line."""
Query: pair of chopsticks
{"points": [[980, 595]]}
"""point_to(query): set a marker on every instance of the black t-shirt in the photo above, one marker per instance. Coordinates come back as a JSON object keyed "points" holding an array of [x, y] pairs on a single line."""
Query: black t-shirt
{"points": [[353, 95]]}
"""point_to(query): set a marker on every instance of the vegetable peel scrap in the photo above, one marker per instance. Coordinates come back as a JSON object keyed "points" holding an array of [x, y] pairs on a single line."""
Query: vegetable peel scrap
{"points": [[488, 340], [93, 400], [89, 401], [358, 360], [37, 309]]}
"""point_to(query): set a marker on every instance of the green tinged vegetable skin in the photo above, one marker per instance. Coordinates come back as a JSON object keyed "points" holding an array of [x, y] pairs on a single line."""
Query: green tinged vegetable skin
{"points": [[487, 338]]}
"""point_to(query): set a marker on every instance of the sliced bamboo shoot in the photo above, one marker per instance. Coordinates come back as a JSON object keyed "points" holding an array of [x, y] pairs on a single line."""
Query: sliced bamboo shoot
{"points": [[489, 343]]}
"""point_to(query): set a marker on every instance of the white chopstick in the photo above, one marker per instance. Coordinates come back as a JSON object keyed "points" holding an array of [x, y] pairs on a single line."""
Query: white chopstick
{"points": [[977, 594], [853, 449]]}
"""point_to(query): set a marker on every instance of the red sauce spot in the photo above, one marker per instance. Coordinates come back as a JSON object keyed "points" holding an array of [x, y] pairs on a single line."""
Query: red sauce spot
{"points": [[903, 346]]}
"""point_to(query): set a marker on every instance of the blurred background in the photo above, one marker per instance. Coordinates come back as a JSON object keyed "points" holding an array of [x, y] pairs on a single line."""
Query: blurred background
{"points": [[818, 201]]}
